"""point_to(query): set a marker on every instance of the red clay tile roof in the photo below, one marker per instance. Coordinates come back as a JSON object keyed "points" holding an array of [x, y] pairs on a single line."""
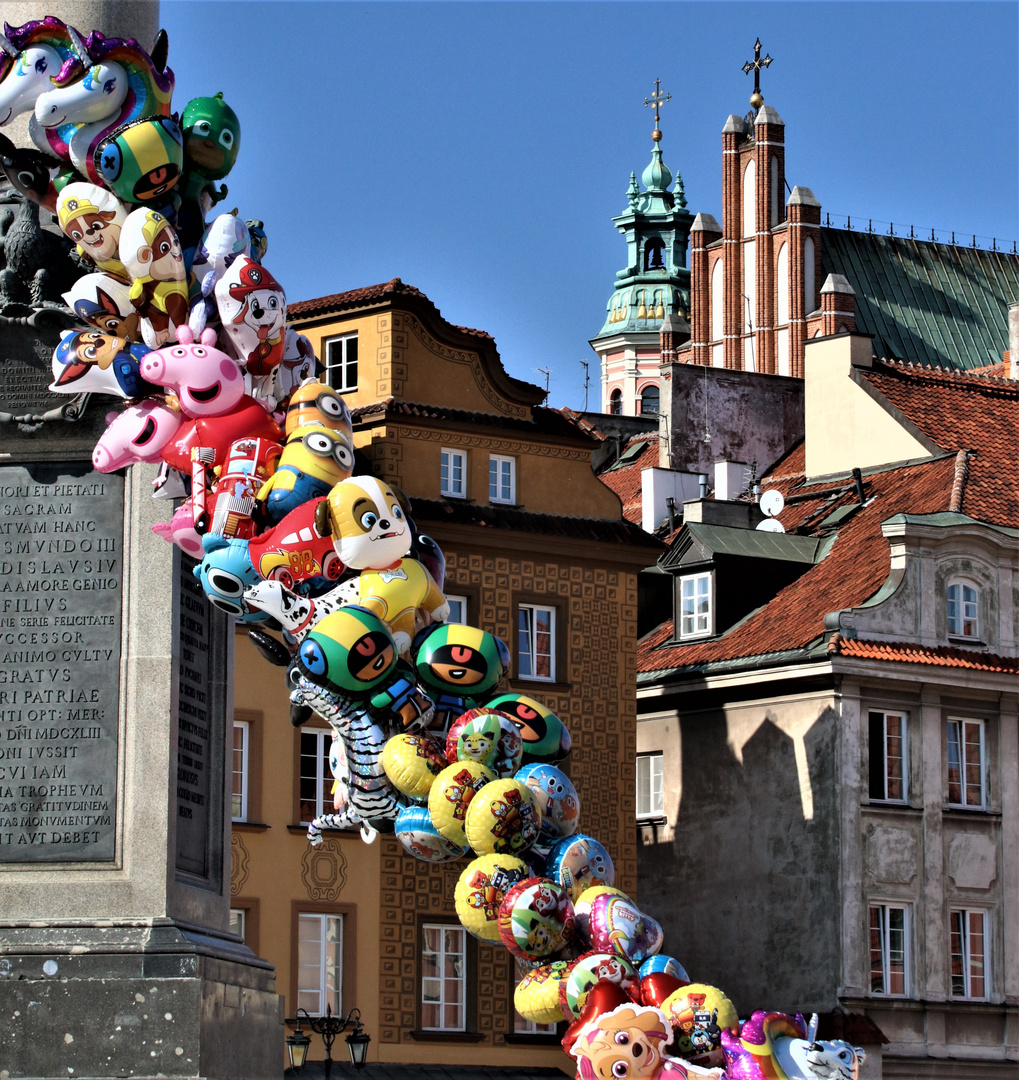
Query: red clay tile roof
{"points": [[625, 481], [962, 411], [906, 653], [583, 423], [854, 569]]}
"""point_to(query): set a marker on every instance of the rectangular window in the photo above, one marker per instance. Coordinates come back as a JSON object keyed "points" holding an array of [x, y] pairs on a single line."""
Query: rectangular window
{"points": [[650, 792], [457, 609], [453, 474], [239, 795], [962, 610], [695, 605], [520, 1025], [966, 771], [238, 917], [889, 950], [536, 642], [888, 761], [316, 778], [341, 362], [968, 946], [320, 963], [443, 977], [502, 481]]}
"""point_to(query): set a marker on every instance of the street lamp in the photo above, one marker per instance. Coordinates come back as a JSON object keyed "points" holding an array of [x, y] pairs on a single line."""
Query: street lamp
{"points": [[329, 1027]]}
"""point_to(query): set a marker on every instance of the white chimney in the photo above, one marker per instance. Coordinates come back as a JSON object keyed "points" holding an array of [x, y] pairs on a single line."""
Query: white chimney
{"points": [[657, 486], [732, 478]]}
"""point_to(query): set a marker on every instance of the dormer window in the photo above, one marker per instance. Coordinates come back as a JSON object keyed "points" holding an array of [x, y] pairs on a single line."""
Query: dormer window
{"points": [[694, 605], [962, 610]]}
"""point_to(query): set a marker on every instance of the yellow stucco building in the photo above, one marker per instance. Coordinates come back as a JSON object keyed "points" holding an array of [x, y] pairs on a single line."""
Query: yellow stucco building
{"points": [[536, 552]]}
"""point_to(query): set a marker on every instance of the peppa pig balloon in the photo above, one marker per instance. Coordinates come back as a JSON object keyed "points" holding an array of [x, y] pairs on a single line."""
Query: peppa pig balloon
{"points": [[139, 433], [207, 382]]}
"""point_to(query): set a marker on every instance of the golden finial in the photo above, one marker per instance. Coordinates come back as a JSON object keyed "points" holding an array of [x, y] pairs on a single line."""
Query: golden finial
{"points": [[658, 99]]}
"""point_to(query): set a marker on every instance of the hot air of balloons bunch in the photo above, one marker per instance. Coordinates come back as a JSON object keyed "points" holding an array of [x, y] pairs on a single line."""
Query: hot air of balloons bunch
{"points": [[184, 325]]}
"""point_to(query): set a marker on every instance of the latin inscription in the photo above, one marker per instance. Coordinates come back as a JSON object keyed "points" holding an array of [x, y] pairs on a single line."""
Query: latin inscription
{"points": [[194, 711], [61, 576]]}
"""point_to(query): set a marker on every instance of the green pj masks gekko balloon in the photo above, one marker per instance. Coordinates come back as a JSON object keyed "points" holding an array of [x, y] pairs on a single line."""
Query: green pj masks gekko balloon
{"points": [[212, 136]]}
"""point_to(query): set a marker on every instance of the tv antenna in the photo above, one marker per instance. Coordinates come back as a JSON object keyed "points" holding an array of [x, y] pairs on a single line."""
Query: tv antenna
{"points": [[587, 379], [547, 374]]}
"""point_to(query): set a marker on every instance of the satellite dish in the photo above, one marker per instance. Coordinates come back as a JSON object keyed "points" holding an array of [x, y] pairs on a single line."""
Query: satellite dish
{"points": [[771, 525], [772, 503]]}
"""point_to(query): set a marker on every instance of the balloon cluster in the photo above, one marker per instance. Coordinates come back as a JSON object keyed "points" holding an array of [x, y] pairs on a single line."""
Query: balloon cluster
{"points": [[187, 327]]}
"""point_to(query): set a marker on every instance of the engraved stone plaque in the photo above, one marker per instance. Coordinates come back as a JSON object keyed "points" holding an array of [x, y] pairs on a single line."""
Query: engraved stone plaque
{"points": [[61, 578]]}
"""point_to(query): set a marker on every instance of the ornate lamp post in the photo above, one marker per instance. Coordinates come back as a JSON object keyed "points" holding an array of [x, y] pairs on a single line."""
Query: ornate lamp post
{"points": [[329, 1027]]}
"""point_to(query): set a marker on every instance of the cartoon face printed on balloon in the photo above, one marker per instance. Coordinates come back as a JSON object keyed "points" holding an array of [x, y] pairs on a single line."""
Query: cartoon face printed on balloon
{"points": [[253, 309], [314, 459], [627, 1043], [366, 521], [544, 734], [89, 361], [153, 257], [480, 891], [225, 573], [105, 304], [618, 925], [577, 862], [139, 433], [699, 1013], [462, 660], [315, 403], [206, 381], [350, 650], [536, 997], [490, 739], [225, 238], [502, 817], [450, 795], [212, 136], [419, 837], [93, 219], [536, 919], [588, 970], [141, 161], [557, 799]]}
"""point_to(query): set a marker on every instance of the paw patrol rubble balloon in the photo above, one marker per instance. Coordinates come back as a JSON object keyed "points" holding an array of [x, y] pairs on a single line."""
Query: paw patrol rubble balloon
{"points": [[93, 219], [151, 254]]}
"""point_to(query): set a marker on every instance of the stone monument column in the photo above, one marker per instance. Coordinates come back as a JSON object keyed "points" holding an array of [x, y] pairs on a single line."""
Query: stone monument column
{"points": [[116, 958]]}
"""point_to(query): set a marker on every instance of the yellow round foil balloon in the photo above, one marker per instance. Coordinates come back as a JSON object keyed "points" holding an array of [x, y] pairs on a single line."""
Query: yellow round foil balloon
{"points": [[582, 908], [502, 816], [412, 762], [536, 997], [480, 890], [450, 795], [698, 1014]]}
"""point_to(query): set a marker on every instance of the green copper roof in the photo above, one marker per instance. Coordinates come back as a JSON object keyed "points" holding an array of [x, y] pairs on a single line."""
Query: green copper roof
{"points": [[933, 304]]}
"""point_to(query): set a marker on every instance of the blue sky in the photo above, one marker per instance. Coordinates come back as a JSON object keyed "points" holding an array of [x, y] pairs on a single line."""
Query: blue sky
{"points": [[479, 150]]}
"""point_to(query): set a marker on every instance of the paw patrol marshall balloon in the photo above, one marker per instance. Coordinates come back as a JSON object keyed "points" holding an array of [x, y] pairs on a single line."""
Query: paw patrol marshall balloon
{"points": [[253, 309]]}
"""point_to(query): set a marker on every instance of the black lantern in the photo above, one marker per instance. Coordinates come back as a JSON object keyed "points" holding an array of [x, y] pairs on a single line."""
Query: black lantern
{"points": [[329, 1027], [297, 1046]]}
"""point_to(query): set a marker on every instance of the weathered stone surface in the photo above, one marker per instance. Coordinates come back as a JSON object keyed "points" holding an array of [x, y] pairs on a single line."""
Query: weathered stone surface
{"points": [[891, 855], [971, 861]]}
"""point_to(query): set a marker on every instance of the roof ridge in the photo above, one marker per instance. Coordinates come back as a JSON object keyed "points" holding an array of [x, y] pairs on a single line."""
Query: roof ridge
{"points": [[962, 377]]}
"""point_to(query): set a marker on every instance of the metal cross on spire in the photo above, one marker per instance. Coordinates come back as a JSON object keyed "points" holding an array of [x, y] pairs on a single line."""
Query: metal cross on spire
{"points": [[658, 99], [756, 98]]}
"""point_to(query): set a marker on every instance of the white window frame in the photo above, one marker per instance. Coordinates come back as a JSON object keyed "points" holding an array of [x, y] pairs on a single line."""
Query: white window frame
{"points": [[521, 1025], [886, 758], [962, 612], [450, 461], [956, 732], [500, 466], [887, 953], [457, 609], [240, 771], [240, 916], [324, 779], [344, 385], [530, 633], [650, 785], [696, 624], [314, 927], [442, 982], [960, 921]]}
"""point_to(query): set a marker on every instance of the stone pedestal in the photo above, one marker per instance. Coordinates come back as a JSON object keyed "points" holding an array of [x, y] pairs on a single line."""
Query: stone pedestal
{"points": [[115, 718]]}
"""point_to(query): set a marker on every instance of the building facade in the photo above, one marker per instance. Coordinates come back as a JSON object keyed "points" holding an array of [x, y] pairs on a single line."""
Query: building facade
{"points": [[536, 552]]}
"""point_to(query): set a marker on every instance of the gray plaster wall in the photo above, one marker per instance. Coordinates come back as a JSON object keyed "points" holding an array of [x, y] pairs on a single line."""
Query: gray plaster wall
{"points": [[744, 874], [749, 416]]}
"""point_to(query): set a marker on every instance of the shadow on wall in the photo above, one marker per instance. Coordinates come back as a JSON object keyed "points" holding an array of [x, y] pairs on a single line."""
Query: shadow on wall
{"points": [[747, 892]]}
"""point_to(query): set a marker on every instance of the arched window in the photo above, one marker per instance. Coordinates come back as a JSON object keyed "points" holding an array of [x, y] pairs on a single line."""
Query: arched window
{"points": [[616, 402], [649, 400], [782, 285], [717, 301], [809, 301], [654, 254], [750, 199], [775, 192], [962, 609]]}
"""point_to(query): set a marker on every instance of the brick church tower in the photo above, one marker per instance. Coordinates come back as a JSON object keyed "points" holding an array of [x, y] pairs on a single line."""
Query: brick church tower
{"points": [[655, 284]]}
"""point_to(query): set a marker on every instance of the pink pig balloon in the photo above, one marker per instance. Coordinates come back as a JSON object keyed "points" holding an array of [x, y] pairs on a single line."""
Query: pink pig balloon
{"points": [[139, 433], [207, 381]]}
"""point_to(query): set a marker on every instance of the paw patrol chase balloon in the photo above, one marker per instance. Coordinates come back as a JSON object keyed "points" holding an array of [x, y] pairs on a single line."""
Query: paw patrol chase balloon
{"points": [[480, 891], [536, 919], [502, 817]]}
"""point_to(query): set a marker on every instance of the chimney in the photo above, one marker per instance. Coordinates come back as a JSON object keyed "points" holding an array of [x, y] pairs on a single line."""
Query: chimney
{"points": [[838, 306], [1012, 371]]}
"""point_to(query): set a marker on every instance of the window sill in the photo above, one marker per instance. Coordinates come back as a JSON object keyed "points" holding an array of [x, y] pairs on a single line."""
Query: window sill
{"points": [[518, 1038], [447, 1036], [972, 642], [249, 826], [519, 682], [453, 495], [303, 830], [970, 812], [652, 819], [892, 806]]}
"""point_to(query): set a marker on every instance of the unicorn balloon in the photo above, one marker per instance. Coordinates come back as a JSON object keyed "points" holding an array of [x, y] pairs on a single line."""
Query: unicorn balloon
{"points": [[31, 55], [105, 84]]}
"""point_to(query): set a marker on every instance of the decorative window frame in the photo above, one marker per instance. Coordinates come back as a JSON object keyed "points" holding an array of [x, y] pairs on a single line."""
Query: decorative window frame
{"points": [[678, 620], [348, 982], [469, 1033], [882, 717], [535, 604], [500, 460], [447, 489], [883, 909], [249, 907]]}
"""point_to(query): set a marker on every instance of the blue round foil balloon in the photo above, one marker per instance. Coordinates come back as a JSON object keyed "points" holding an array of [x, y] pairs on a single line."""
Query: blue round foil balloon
{"points": [[667, 964], [419, 837], [578, 862], [557, 799]]}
